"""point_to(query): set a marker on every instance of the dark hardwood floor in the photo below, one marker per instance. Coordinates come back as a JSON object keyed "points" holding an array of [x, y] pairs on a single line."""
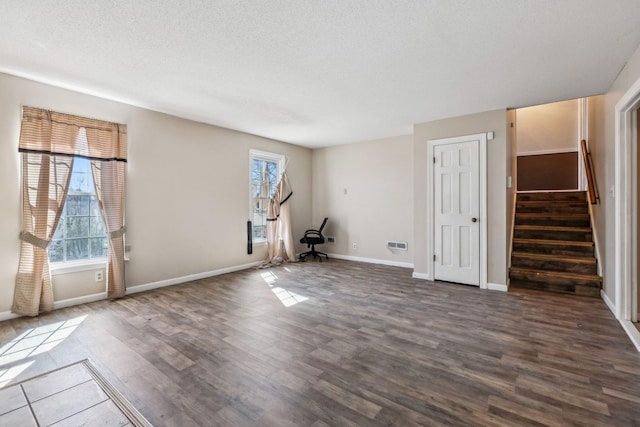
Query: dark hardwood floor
{"points": [[344, 343]]}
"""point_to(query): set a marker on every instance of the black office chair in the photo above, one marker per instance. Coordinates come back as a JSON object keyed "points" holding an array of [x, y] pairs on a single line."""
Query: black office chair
{"points": [[312, 238]]}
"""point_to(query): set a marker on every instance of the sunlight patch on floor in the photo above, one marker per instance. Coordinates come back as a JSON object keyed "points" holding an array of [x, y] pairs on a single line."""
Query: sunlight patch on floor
{"points": [[287, 298], [31, 343]]}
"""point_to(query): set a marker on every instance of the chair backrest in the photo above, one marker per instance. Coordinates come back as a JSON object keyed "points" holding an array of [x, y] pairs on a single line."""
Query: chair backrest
{"points": [[323, 224]]}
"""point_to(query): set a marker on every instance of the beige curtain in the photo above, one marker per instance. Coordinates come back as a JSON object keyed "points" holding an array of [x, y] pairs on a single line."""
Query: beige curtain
{"points": [[48, 143], [279, 236], [45, 182], [108, 177]]}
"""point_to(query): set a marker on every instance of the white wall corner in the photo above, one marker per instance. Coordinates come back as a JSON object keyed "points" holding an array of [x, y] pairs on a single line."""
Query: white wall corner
{"points": [[497, 287]]}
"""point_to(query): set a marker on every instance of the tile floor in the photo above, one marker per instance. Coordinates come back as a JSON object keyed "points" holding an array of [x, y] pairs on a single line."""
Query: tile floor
{"points": [[70, 396]]}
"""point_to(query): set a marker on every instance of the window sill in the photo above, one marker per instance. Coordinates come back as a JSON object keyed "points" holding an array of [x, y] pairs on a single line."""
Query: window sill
{"points": [[76, 266]]}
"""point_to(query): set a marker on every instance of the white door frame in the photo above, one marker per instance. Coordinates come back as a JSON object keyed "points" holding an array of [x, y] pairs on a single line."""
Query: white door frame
{"points": [[482, 150], [625, 193]]}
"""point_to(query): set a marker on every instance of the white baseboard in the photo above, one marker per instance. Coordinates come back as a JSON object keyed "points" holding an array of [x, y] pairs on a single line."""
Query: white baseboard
{"points": [[79, 300], [189, 278], [7, 315], [497, 287], [372, 260], [627, 325], [421, 276], [632, 332], [607, 301]]}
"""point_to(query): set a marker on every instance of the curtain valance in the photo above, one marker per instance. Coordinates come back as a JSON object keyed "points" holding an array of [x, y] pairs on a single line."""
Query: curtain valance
{"points": [[50, 132]]}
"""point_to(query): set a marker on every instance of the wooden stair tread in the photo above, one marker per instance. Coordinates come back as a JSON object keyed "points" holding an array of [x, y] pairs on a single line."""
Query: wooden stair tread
{"points": [[552, 242], [552, 202], [577, 276], [552, 215], [553, 228], [560, 258]]}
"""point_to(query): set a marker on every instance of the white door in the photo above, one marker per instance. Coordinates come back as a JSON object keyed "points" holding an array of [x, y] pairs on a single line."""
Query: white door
{"points": [[456, 176]]}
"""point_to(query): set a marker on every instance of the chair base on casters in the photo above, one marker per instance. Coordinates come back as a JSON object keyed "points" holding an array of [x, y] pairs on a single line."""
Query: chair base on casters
{"points": [[314, 253]]}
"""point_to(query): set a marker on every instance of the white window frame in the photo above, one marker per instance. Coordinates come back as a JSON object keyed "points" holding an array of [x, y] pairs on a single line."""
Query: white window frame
{"points": [[64, 267], [279, 159]]}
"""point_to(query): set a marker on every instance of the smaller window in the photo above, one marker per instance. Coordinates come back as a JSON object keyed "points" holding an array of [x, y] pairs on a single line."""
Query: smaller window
{"points": [[265, 173]]}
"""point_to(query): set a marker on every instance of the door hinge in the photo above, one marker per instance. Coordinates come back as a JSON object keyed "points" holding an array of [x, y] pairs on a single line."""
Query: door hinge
{"points": [[434, 159], [434, 257]]}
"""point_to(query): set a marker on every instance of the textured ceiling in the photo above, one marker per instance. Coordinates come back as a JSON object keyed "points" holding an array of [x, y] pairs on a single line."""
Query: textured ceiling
{"points": [[321, 72]]}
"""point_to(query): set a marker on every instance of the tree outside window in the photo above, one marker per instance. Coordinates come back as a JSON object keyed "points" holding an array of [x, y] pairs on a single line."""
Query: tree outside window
{"points": [[265, 172], [80, 234]]}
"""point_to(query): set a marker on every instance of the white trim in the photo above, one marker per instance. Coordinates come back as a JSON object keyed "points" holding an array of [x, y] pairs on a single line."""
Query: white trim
{"points": [[632, 332], [548, 151], [607, 301], [497, 287], [189, 278], [513, 228], [583, 133], [372, 260], [268, 156], [7, 315], [625, 194], [422, 276], [596, 245], [482, 140], [628, 326], [70, 302]]}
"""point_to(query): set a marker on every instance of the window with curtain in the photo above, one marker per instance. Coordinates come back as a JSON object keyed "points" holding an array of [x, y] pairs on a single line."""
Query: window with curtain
{"points": [[63, 156], [265, 172], [80, 234]]}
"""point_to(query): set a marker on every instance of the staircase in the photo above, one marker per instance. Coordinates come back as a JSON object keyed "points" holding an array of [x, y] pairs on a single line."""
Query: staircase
{"points": [[553, 246]]}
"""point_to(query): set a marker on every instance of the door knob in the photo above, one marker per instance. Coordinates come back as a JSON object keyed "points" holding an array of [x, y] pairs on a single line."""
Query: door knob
{"points": [[474, 219]]}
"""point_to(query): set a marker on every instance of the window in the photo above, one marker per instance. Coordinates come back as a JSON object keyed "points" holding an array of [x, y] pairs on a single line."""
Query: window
{"points": [[80, 234], [265, 172]]}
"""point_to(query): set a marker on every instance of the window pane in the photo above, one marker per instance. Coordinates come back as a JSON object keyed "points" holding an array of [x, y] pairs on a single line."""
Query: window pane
{"points": [[96, 227], [59, 234], [264, 179], [81, 178], [94, 210], [77, 226], [56, 251], [99, 248], [78, 204], [77, 249]]}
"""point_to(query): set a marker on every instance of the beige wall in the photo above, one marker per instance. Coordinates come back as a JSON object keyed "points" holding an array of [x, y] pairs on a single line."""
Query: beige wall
{"points": [[187, 199], [498, 168], [378, 204], [548, 127]]}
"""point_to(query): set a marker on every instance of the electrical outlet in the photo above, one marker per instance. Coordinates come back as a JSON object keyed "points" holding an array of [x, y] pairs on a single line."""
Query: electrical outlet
{"points": [[331, 239], [355, 245], [99, 276]]}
